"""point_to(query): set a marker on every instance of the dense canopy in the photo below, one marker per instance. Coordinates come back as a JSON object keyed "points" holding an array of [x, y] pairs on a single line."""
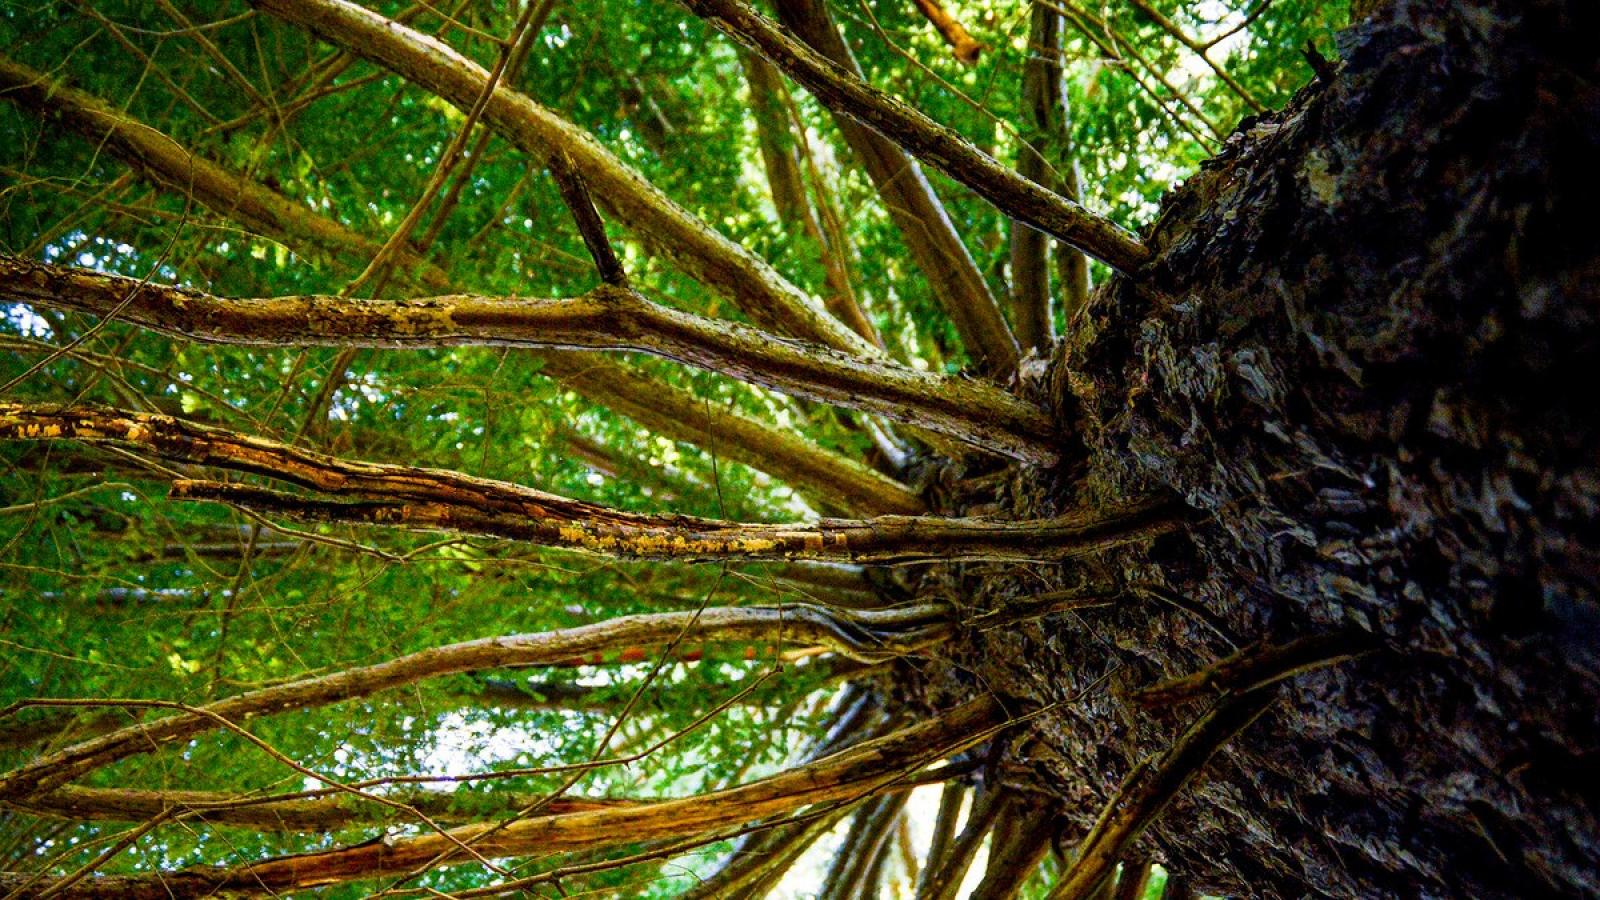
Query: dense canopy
{"points": [[465, 447]]}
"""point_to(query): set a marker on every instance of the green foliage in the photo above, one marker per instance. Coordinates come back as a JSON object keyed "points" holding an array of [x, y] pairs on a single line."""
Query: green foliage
{"points": [[112, 591]]}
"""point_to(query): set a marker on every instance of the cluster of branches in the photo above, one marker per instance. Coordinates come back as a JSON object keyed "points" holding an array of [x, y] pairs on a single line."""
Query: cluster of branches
{"points": [[821, 350]]}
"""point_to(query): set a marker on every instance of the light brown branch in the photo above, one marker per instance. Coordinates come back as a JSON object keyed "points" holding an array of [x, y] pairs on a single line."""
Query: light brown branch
{"points": [[943, 882], [316, 814], [918, 213], [163, 160], [607, 318], [870, 634], [442, 500], [966, 47], [927, 140], [1019, 843], [857, 772], [835, 480], [700, 250]]}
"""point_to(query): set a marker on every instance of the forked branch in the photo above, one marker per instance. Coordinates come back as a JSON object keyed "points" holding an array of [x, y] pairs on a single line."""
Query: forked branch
{"points": [[611, 317], [835, 480], [927, 140], [690, 243]]}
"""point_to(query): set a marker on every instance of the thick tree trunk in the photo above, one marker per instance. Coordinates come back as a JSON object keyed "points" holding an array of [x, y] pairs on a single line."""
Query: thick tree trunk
{"points": [[1363, 349]]}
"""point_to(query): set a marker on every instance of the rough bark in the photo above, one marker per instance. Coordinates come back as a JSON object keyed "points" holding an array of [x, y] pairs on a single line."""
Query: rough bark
{"points": [[1363, 350]]}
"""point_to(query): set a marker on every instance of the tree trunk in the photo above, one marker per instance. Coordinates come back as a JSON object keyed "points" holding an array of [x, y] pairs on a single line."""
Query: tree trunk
{"points": [[1361, 348]]}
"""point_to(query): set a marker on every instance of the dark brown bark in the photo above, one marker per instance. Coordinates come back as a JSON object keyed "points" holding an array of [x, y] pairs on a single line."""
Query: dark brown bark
{"points": [[1364, 349]]}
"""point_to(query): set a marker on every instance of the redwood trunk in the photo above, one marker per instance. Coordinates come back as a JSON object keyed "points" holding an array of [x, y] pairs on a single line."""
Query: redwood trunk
{"points": [[1365, 348]]}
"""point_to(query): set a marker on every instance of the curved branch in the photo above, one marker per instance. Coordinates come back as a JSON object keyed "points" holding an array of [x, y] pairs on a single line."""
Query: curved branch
{"points": [[835, 480], [699, 249], [965, 47], [441, 500], [915, 209], [318, 814], [607, 318], [1151, 786], [872, 635], [927, 140], [163, 160], [857, 772]]}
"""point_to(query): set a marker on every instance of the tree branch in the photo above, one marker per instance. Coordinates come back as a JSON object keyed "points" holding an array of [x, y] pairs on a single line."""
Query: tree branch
{"points": [[927, 140], [965, 46], [835, 480], [700, 250], [318, 814], [163, 160], [593, 231], [781, 157], [441, 500], [1029, 828], [607, 318], [869, 635], [1151, 786], [1259, 666], [915, 209], [860, 771]]}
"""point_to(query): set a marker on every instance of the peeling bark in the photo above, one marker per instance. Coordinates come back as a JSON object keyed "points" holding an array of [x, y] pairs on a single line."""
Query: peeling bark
{"points": [[1363, 350], [438, 499]]}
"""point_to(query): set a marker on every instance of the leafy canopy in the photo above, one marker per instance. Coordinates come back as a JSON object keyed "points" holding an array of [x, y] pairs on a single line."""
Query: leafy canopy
{"points": [[112, 591]]}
